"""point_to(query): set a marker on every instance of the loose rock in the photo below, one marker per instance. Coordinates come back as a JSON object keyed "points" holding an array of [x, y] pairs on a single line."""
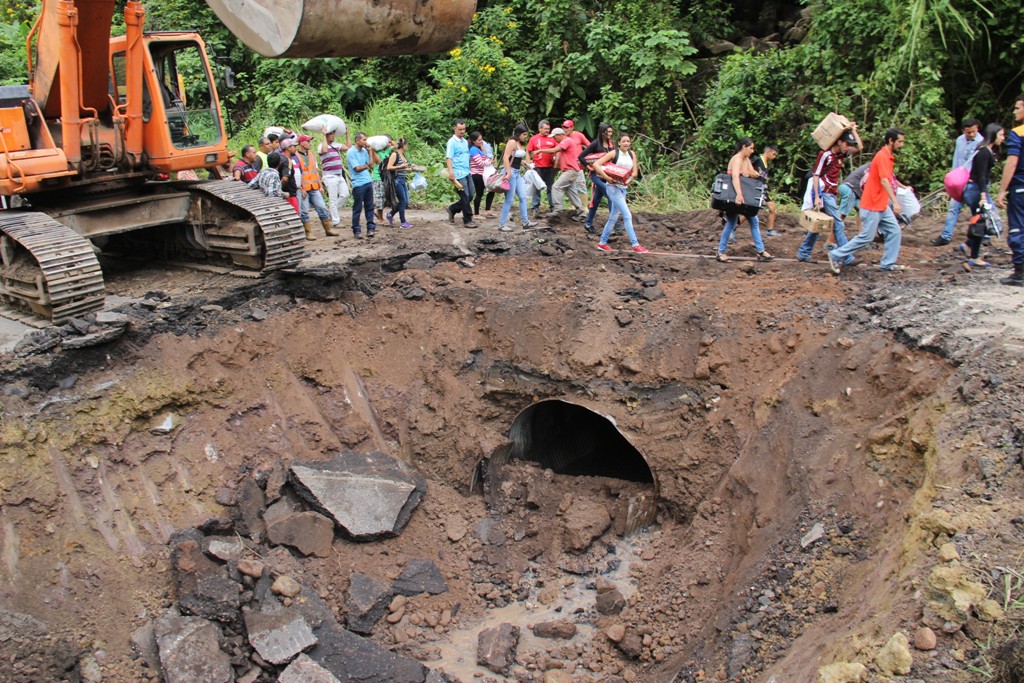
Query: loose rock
{"points": [[190, 651], [278, 636], [496, 648]]}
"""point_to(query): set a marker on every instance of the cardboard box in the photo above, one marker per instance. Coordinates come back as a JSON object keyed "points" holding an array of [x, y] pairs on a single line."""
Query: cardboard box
{"points": [[816, 221], [829, 130], [618, 174]]}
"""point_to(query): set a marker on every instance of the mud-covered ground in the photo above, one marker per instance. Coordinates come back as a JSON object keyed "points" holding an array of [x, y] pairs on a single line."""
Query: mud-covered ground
{"points": [[837, 460]]}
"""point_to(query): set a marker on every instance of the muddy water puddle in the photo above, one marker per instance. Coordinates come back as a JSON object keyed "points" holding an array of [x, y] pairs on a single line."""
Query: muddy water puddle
{"points": [[575, 602]]}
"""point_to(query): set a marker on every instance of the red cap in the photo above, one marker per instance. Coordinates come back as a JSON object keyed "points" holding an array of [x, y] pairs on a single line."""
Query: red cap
{"points": [[568, 124], [305, 138]]}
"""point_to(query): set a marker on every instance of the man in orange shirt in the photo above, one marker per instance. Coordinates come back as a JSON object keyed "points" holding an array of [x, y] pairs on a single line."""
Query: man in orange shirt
{"points": [[875, 211]]}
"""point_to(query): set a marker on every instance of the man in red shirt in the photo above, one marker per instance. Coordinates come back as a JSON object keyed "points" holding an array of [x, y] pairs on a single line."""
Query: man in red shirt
{"points": [[568, 150], [825, 188], [875, 211], [545, 163], [570, 130]]}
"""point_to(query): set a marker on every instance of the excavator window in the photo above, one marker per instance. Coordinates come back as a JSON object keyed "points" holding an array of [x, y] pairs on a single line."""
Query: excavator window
{"points": [[118, 86], [182, 75]]}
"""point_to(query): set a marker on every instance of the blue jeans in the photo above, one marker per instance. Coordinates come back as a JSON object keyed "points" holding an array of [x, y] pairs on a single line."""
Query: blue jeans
{"points": [[516, 187], [731, 219], [316, 198], [617, 200], [972, 197], [871, 222], [848, 201], [362, 200], [600, 190], [465, 203], [828, 205], [402, 191], [1015, 223], [951, 216]]}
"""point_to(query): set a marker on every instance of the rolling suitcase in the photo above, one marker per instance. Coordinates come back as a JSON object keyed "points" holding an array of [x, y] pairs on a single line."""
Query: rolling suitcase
{"points": [[723, 195]]}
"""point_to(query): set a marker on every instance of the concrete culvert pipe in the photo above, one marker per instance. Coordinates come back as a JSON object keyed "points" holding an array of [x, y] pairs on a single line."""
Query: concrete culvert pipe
{"points": [[346, 28]]}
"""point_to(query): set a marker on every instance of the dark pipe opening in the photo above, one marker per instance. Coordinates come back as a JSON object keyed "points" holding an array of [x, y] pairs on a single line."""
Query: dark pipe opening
{"points": [[570, 439]]}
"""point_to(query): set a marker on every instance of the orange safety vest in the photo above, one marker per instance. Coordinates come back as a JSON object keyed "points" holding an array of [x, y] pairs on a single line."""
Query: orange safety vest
{"points": [[310, 173]]}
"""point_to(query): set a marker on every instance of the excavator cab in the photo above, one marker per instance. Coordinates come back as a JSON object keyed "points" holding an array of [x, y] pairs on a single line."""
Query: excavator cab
{"points": [[182, 123]]}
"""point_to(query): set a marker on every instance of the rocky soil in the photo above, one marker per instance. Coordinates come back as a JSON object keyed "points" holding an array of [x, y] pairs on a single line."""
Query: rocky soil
{"points": [[837, 466]]}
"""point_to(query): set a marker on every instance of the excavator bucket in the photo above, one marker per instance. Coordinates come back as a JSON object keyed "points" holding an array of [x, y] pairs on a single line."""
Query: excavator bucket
{"points": [[346, 28]]}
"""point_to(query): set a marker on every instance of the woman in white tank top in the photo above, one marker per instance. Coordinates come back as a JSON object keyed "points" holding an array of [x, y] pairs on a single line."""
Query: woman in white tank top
{"points": [[625, 159]]}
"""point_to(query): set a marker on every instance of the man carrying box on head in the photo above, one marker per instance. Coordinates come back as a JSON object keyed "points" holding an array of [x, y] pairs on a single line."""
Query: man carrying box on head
{"points": [[825, 186]]}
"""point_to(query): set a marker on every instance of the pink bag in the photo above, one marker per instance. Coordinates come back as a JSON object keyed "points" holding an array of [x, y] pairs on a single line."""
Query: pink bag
{"points": [[955, 181], [499, 182]]}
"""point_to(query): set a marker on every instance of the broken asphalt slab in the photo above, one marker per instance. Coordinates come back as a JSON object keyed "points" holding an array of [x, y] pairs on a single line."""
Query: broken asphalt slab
{"points": [[368, 496]]}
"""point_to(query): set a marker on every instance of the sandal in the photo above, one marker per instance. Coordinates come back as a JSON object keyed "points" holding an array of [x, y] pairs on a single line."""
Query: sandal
{"points": [[764, 256], [722, 258]]}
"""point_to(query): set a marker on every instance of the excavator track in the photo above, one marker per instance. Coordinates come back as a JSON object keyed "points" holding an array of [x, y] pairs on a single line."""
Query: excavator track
{"points": [[46, 269], [283, 239]]}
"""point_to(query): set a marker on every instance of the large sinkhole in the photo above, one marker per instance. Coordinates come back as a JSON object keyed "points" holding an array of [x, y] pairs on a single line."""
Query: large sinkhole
{"points": [[573, 440]]}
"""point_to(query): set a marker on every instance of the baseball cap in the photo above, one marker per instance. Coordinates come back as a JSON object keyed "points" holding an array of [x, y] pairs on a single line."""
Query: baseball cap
{"points": [[848, 138], [557, 131], [287, 142], [568, 124], [305, 138]]}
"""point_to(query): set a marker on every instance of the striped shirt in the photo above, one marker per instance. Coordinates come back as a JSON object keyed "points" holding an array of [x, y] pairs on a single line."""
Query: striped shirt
{"points": [[331, 162]]}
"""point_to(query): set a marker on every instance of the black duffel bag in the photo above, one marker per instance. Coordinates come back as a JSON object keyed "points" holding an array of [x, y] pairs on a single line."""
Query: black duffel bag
{"points": [[723, 195]]}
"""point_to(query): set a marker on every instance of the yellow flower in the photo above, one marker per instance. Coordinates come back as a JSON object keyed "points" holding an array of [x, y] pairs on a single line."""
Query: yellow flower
{"points": [[511, 24], [508, 10], [463, 88], [456, 52]]}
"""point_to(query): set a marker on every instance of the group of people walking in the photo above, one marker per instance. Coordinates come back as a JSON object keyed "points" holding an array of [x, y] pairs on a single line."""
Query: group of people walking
{"points": [[563, 148], [285, 166], [873, 189]]}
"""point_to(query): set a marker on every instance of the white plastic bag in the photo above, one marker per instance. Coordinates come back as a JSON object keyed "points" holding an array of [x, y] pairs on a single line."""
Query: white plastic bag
{"points": [[273, 130], [489, 170], [378, 142], [326, 123], [533, 178], [808, 203], [418, 182], [908, 202]]}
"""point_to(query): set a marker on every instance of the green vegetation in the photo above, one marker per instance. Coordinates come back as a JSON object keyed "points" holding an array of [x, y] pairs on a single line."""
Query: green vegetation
{"points": [[991, 661], [647, 67]]}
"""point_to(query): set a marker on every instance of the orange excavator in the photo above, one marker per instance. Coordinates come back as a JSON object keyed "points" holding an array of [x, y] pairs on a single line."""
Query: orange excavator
{"points": [[102, 117]]}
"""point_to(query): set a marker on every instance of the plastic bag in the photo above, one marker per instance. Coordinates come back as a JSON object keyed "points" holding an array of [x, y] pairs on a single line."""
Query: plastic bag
{"points": [[326, 123], [489, 170], [955, 182], [533, 178], [908, 202], [378, 142], [992, 220], [418, 182], [273, 130]]}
